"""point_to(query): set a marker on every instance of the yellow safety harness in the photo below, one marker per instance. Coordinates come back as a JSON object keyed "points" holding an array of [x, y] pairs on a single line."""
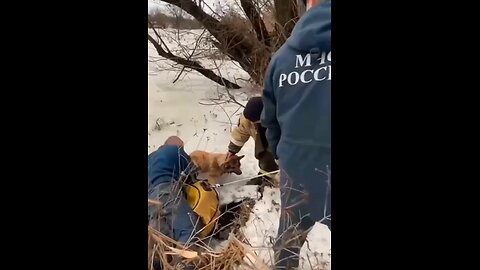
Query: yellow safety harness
{"points": [[204, 201]]}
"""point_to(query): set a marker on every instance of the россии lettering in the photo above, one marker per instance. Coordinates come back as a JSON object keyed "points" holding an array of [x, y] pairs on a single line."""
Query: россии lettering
{"points": [[321, 70]]}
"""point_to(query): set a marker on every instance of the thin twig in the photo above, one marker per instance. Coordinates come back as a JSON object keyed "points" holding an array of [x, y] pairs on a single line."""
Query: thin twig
{"points": [[228, 92], [228, 116], [189, 57], [159, 37], [154, 202], [215, 103]]}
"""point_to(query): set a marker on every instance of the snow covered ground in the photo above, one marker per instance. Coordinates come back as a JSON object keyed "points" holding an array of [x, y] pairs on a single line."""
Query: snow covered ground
{"points": [[194, 109]]}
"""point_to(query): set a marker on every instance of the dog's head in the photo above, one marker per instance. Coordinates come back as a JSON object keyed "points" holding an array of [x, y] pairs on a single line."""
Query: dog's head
{"points": [[232, 164]]}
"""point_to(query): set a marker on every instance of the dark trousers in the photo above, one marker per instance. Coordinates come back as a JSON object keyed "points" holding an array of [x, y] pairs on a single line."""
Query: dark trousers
{"points": [[174, 218], [302, 205], [266, 162]]}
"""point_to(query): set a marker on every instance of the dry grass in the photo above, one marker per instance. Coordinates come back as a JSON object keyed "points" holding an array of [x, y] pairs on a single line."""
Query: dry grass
{"points": [[235, 254]]}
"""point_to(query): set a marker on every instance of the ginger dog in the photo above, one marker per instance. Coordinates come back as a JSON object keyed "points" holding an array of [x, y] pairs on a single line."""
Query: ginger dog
{"points": [[216, 164]]}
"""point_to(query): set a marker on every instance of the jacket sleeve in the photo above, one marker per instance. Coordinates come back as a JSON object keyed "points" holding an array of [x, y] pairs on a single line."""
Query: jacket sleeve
{"points": [[239, 136], [269, 113]]}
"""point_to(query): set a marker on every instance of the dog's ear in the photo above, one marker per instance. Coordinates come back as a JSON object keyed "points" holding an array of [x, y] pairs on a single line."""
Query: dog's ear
{"points": [[240, 157]]}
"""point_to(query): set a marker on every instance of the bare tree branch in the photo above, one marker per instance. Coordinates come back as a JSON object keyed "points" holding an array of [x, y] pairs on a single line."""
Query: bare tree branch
{"points": [[193, 65], [286, 15], [238, 46], [210, 8], [244, 38], [257, 22], [197, 42], [159, 37], [179, 74]]}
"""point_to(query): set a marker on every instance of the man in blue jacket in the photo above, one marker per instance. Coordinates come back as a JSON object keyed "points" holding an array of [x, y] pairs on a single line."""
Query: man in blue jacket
{"points": [[168, 167], [296, 113]]}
